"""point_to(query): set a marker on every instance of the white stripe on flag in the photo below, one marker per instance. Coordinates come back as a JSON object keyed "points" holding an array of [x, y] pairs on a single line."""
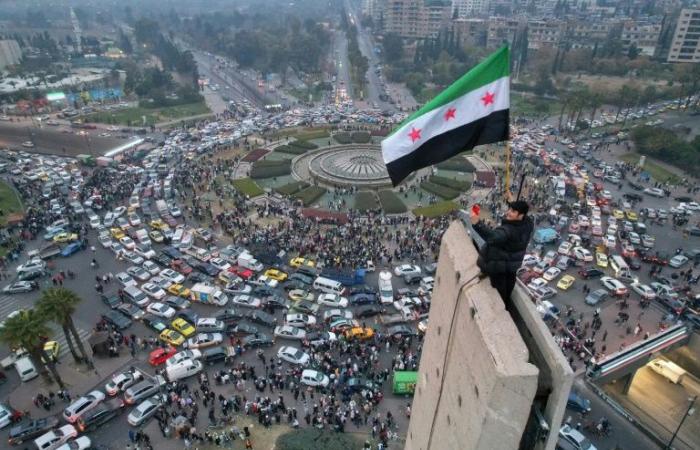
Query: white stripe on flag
{"points": [[468, 108]]}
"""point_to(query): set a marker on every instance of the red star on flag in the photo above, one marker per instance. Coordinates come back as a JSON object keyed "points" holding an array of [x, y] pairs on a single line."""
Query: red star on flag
{"points": [[487, 98], [450, 114], [414, 134]]}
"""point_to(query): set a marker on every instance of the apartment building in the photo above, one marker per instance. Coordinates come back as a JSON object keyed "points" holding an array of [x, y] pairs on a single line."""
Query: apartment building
{"points": [[416, 19], [544, 34], [470, 8], [10, 53], [644, 36], [685, 46], [500, 30], [470, 32]]}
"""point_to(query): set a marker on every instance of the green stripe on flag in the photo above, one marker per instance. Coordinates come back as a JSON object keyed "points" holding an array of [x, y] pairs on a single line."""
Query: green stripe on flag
{"points": [[496, 66]]}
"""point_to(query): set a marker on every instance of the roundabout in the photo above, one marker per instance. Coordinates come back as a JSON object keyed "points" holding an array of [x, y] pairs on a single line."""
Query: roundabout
{"points": [[347, 165]]}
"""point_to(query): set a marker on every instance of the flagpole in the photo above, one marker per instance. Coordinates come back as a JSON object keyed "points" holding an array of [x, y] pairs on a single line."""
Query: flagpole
{"points": [[507, 186]]}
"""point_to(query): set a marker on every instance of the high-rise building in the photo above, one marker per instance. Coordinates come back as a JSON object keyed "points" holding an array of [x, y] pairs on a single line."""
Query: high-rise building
{"points": [[470, 8], [10, 53], [77, 31], [685, 46], [416, 18]]}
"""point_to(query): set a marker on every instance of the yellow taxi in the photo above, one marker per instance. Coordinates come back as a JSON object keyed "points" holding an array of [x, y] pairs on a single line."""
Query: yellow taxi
{"points": [[51, 348], [631, 216], [65, 237], [359, 333], [156, 236], [172, 337], [566, 282], [618, 214], [157, 224], [601, 259], [183, 327], [276, 274], [299, 261], [117, 233], [180, 290], [300, 294]]}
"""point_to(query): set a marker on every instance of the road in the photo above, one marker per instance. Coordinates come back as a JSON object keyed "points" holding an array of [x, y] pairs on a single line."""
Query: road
{"points": [[343, 83]]}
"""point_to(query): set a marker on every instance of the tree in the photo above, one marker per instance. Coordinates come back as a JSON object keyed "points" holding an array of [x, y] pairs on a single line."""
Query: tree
{"points": [[393, 47], [59, 304], [633, 51], [28, 330]]}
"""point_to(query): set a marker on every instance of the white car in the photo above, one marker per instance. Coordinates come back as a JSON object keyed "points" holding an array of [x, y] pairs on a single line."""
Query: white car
{"points": [[144, 249], [105, 240], [314, 378], [634, 238], [132, 257], [614, 286], [551, 273], [583, 221], [31, 266], [151, 267], [293, 355], [144, 410], [300, 320], [678, 261], [125, 279], [160, 309], [575, 439], [265, 281], [530, 260], [84, 404], [127, 242], [290, 332], [55, 438], [81, 443], [121, 381], [406, 269], [656, 192], [333, 300], [203, 340], [175, 211], [246, 301], [138, 273], [536, 284], [220, 263], [582, 254], [181, 356], [610, 241], [565, 248], [134, 220], [170, 274], [153, 290], [644, 291]]}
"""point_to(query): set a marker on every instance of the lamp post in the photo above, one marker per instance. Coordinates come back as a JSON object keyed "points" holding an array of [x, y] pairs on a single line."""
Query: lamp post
{"points": [[689, 412]]}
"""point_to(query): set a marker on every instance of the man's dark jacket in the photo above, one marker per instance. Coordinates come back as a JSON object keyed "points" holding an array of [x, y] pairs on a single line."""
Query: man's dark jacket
{"points": [[505, 245]]}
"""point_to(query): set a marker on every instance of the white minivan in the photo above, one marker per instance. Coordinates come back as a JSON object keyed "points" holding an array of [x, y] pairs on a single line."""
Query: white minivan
{"points": [[183, 369], [329, 286], [25, 369]]}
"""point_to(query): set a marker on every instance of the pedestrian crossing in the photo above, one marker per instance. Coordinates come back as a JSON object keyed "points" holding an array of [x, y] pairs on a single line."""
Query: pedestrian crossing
{"points": [[10, 303], [60, 337]]}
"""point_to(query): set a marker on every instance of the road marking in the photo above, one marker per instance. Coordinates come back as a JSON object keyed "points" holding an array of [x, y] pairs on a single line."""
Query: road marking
{"points": [[60, 337]]}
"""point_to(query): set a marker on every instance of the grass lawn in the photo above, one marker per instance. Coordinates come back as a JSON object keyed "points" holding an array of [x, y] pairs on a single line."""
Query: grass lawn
{"points": [[656, 171], [436, 209], [9, 202], [134, 116], [523, 105], [248, 187]]}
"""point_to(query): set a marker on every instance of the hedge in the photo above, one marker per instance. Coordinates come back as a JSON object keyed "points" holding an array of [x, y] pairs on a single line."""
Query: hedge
{"points": [[458, 185], [314, 439], [343, 138], [303, 144], [309, 195], [271, 168], [436, 209], [457, 163], [311, 133], [248, 187], [442, 191], [391, 203], [365, 201], [361, 137], [292, 188], [290, 149]]}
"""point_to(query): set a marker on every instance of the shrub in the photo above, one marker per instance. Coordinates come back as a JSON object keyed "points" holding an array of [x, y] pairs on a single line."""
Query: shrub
{"points": [[303, 144], [442, 191], [312, 133], [309, 195], [458, 185], [436, 209], [361, 137], [290, 149], [314, 439], [343, 138], [365, 201], [292, 188], [271, 168], [248, 187], [457, 163], [391, 203]]}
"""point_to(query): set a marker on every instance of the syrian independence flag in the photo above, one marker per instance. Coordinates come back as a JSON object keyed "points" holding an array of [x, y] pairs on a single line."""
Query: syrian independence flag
{"points": [[472, 111]]}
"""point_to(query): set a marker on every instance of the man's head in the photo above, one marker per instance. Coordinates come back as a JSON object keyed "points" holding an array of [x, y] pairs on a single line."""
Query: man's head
{"points": [[517, 210]]}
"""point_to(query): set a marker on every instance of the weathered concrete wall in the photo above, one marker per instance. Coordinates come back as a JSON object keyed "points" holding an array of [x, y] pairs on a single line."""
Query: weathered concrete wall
{"points": [[476, 384]]}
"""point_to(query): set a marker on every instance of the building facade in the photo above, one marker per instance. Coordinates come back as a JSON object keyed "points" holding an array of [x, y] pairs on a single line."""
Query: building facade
{"points": [[10, 53], [685, 46], [544, 33], [643, 36], [417, 19], [470, 8], [470, 32], [500, 30]]}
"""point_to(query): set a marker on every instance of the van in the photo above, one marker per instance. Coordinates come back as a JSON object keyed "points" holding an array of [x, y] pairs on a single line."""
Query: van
{"points": [[177, 237], [209, 325], [329, 286], [183, 369], [25, 369], [135, 295], [672, 372], [619, 265]]}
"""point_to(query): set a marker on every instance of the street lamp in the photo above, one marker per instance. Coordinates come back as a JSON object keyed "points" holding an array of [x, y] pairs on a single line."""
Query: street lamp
{"points": [[689, 412]]}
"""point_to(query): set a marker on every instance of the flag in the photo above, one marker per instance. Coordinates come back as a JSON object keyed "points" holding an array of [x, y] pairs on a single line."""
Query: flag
{"points": [[472, 111]]}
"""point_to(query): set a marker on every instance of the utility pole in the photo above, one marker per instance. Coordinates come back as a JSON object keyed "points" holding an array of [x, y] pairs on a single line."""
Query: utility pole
{"points": [[688, 412]]}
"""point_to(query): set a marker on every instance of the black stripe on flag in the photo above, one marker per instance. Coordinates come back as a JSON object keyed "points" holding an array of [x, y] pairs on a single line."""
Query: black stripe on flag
{"points": [[487, 130]]}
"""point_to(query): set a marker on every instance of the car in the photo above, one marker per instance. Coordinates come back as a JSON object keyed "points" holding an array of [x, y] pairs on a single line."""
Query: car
{"points": [[299, 262], [183, 355], [293, 355], [177, 303], [275, 302], [582, 254], [306, 306], [159, 356], [289, 332], [242, 329], [655, 192], [31, 266], [536, 283], [631, 216], [564, 249], [257, 340], [53, 231], [101, 414], [615, 287], [320, 339], [26, 431], [131, 311], [300, 294], [55, 438], [306, 279], [574, 438], [147, 408], [543, 293], [358, 385], [578, 403], [364, 299], [154, 291], [399, 332], [276, 274], [368, 311], [529, 260], [160, 309], [333, 300], [170, 274], [121, 381], [151, 267], [300, 320], [314, 378], [138, 273], [79, 407], [678, 261], [335, 314], [125, 279], [246, 301], [590, 272], [203, 340], [541, 267], [19, 287], [551, 273], [116, 318], [65, 237], [179, 290], [231, 315], [156, 236], [406, 269], [644, 291], [596, 297], [361, 333], [155, 323], [566, 282], [601, 259]]}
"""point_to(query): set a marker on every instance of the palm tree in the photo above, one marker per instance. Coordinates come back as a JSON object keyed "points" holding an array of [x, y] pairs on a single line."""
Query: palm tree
{"points": [[28, 330], [595, 101], [59, 304]]}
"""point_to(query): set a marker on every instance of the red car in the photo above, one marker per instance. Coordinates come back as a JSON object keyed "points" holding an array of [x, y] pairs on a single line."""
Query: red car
{"points": [[242, 272], [181, 266], [160, 355]]}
